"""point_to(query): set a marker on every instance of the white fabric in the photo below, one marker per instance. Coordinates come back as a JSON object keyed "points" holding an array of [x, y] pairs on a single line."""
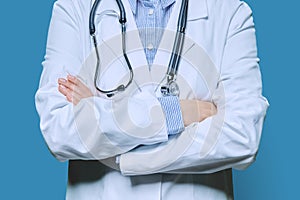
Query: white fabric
{"points": [[222, 30]]}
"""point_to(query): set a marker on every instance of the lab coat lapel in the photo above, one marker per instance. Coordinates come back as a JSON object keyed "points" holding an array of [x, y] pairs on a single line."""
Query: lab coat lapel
{"points": [[134, 45], [197, 10], [135, 50]]}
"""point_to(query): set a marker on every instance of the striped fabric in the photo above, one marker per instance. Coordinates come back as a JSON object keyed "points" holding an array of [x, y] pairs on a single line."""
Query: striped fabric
{"points": [[151, 18], [171, 107]]}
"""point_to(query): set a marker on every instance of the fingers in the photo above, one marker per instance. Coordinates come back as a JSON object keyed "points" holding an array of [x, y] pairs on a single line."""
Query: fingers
{"points": [[205, 109], [69, 94], [196, 110], [79, 87], [66, 92], [73, 89], [72, 84], [67, 84], [73, 79]]}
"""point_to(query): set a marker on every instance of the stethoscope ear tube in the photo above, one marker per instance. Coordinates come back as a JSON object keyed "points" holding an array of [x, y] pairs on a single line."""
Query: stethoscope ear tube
{"points": [[92, 17], [183, 16], [175, 56], [178, 43], [122, 18]]}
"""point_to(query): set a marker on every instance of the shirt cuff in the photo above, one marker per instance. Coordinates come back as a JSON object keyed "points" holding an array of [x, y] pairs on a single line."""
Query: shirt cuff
{"points": [[172, 111]]}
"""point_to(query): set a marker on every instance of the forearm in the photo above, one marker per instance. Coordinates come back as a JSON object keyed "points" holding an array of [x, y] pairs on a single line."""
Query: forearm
{"points": [[231, 137], [97, 127], [101, 127], [205, 147]]}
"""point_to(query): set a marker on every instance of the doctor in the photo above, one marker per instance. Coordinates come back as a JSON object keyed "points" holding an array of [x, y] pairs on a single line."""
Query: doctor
{"points": [[139, 159]]}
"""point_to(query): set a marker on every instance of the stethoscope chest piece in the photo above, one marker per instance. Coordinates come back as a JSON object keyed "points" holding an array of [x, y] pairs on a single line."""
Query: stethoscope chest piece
{"points": [[170, 89]]}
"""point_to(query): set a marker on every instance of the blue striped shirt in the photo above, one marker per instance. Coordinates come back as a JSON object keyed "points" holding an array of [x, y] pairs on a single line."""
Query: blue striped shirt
{"points": [[151, 18]]}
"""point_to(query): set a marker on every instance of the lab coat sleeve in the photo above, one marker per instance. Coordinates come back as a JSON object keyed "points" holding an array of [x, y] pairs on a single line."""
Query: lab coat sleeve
{"points": [[96, 128], [229, 139]]}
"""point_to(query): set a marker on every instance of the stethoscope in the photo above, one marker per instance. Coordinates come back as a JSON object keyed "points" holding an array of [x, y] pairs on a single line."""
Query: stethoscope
{"points": [[170, 87]]}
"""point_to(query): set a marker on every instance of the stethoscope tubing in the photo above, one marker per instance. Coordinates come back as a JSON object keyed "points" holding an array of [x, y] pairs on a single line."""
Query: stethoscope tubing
{"points": [[176, 51], [178, 43]]}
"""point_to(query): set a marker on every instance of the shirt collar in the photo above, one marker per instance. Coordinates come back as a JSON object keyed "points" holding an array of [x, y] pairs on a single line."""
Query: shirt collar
{"points": [[164, 4]]}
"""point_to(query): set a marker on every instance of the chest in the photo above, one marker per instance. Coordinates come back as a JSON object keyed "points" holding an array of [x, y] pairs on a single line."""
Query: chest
{"points": [[201, 58]]}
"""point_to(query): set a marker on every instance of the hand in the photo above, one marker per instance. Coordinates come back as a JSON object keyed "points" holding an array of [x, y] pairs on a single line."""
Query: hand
{"points": [[196, 111], [73, 89]]}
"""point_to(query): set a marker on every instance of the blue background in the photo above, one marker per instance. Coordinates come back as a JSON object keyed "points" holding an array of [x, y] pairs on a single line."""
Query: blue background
{"points": [[28, 171]]}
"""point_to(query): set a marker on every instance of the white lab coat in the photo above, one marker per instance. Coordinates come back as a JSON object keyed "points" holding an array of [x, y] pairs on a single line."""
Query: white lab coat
{"points": [[193, 165]]}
